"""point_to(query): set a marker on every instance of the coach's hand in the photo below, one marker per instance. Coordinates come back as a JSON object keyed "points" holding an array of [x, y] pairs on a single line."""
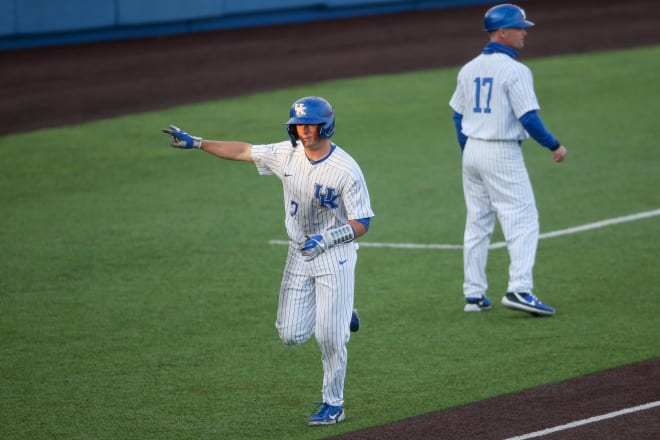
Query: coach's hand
{"points": [[559, 154], [314, 246], [181, 139]]}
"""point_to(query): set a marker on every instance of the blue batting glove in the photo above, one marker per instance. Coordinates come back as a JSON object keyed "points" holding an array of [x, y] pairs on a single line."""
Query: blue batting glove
{"points": [[181, 139], [313, 247]]}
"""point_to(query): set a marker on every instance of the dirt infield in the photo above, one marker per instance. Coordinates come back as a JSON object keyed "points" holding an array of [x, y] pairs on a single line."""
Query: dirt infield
{"points": [[56, 86], [50, 87], [545, 407]]}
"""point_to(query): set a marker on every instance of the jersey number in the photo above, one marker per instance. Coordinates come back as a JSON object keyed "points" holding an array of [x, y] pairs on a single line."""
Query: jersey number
{"points": [[485, 84], [294, 208]]}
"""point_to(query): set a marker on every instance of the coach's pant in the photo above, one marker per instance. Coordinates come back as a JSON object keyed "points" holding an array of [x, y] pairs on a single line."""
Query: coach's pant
{"points": [[496, 184]]}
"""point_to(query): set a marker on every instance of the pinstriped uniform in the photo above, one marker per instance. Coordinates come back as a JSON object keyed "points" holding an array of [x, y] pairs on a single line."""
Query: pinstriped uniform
{"points": [[316, 297], [493, 91]]}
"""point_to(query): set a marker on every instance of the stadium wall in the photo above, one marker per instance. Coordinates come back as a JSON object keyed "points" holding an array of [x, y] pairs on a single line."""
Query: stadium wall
{"points": [[35, 23]]}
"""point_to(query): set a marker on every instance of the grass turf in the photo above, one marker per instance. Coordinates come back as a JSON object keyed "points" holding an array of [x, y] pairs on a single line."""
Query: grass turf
{"points": [[138, 289]]}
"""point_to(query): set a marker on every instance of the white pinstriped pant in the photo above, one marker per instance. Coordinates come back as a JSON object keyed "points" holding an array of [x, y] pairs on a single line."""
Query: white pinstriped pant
{"points": [[316, 297], [496, 184]]}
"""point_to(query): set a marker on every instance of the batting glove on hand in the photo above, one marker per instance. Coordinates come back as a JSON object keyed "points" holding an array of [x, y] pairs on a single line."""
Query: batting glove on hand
{"points": [[181, 139], [313, 247]]}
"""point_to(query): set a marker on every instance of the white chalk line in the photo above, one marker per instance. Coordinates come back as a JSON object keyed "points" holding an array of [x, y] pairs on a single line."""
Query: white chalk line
{"points": [[594, 419], [501, 244]]}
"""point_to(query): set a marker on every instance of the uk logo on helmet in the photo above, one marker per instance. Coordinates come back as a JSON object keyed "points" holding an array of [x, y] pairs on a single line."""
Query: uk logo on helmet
{"points": [[300, 109]]}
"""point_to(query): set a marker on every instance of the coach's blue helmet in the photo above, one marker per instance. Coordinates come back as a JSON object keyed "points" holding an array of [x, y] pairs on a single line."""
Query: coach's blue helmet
{"points": [[505, 16], [312, 110]]}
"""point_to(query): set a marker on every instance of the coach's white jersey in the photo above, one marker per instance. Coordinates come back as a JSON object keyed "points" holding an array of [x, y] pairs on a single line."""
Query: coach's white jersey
{"points": [[493, 91], [317, 195]]}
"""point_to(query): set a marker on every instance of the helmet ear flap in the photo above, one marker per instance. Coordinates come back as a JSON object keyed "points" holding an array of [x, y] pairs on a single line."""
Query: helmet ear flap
{"points": [[328, 128], [293, 134]]}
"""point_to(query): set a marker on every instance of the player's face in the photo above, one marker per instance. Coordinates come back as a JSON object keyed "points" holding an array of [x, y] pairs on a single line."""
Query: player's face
{"points": [[514, 37], [309, 135]]}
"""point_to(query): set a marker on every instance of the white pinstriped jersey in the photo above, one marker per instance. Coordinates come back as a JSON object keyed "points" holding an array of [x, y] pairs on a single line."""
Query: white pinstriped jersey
{"points": [[493, 91], [317, 195]]}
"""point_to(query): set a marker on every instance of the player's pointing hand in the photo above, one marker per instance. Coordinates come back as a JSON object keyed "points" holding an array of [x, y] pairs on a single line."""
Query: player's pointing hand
{"points": [[181, 139]]}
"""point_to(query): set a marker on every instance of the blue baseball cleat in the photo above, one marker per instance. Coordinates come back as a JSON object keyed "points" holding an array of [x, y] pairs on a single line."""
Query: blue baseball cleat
{"points": [[355, 321], [327, 415], [477, 304], [526, 302]]}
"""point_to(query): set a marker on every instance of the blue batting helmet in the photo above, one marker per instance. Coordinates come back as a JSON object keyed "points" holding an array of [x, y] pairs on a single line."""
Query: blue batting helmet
{"points": [[311, 110], [505, 16]]}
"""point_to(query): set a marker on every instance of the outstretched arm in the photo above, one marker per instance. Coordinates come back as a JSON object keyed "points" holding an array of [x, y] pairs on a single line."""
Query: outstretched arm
{"points": [[231, 150]]}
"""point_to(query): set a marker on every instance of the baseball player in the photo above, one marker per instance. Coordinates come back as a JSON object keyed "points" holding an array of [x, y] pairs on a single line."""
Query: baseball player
{"points": [[326, 207], [495, 110]]}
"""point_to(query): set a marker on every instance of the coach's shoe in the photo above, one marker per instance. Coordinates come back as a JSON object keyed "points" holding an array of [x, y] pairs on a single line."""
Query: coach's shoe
{"points": [[355, 321], [477, 304], [526, 302], [327, 415]]}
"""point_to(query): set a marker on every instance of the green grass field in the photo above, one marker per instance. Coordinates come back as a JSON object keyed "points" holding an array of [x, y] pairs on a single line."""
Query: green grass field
{"points": [[138, 289]]}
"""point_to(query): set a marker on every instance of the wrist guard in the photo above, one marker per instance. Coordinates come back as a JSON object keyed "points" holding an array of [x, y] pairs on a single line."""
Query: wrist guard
{"points": [[342, 234]]}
